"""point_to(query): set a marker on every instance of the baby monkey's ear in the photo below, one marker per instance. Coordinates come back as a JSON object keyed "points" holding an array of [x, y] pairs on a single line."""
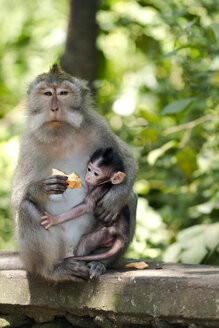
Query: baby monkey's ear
{"points": [[117, 177]]}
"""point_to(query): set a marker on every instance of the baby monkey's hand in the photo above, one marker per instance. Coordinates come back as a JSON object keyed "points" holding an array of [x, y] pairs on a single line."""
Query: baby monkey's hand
{"points": [[47, 221]]}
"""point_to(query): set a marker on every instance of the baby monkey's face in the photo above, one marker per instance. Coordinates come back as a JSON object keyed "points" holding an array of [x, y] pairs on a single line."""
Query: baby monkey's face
{"points": [[96, 174]]}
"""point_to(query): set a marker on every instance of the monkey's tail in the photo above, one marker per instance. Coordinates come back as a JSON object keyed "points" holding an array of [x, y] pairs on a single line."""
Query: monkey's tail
{"points": [[117, 246]]}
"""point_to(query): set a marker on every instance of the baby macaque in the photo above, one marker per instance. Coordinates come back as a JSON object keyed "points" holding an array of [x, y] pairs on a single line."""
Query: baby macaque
{"points": [[104, 169]]}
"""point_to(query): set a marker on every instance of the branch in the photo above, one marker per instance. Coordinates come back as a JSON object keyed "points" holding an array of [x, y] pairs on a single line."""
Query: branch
{"points": [[189, 125]]}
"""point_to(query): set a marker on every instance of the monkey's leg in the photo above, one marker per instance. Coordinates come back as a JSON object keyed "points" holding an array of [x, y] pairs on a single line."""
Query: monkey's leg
{"points": [[42, 251], [91, 241], [128, 221]]}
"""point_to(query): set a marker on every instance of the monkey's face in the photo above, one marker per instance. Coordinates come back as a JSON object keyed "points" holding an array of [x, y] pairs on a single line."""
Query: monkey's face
{"points": [[56, 107], [95, 174]]}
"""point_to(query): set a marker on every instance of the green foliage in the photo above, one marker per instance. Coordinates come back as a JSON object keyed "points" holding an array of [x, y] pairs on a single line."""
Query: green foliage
{"points": [[157, 86], [160, 75], [32, 35], [196, 244], [178, 106], [31, 39]]}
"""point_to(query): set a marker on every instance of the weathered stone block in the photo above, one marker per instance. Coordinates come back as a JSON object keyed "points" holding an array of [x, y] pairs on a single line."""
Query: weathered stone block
{"points": [[177, 295]]}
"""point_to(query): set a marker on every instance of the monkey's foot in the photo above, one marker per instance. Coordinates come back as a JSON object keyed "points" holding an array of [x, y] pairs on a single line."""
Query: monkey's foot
{"points": [[96, 269], [76, 269]]}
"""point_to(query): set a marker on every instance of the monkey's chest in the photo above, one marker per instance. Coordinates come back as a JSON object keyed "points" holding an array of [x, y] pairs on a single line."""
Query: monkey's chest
{"points": [[73, 229], [71, 162]]}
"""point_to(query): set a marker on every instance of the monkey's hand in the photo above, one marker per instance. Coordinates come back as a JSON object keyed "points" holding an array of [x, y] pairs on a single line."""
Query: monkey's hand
{"points": [[108, 207], [55, 184], [47, 221], [38, 191]]}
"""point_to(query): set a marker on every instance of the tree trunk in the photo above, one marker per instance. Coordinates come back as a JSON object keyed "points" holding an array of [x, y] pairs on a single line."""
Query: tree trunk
{"points": [[80, 57]]}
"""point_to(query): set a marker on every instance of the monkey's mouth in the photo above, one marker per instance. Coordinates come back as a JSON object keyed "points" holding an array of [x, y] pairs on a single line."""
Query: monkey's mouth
{"points": [[54, 123]]}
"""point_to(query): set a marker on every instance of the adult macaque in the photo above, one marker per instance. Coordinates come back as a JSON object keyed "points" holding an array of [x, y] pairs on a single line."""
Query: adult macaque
{"points": [[104, 169], [62, 132]]}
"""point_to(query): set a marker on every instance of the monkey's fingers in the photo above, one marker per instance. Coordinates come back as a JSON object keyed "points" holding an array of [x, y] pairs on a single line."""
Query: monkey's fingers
{"points": [[77, 268], [44, 225], [112, 219], [44, 218], [96, 269], [108, 219], [57, 181], [55, 189], [99, 211], [103, 214], [99, 203], [44, 221], [56, 178]]}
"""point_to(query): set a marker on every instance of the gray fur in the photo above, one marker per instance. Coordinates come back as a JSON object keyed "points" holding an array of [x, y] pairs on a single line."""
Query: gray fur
{"points": [[66, 148]]}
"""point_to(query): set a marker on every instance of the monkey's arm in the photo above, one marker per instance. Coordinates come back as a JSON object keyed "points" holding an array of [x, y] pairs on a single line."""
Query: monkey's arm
{"points": [[85, 207], [33, 239], [117, 197], [49, 220]]}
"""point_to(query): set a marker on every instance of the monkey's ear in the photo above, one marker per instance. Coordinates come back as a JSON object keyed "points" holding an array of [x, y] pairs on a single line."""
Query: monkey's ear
{"points": [[85, 88], [118, 177]]}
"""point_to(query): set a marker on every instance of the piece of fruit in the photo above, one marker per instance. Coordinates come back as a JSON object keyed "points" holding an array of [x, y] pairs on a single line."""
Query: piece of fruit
{"points": [[57, 172], [73, 180], [137, 265]]}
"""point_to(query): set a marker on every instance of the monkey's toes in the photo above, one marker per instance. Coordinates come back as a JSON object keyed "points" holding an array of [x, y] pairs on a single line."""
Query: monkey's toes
{"points": [[76, 268], [96, 269]]}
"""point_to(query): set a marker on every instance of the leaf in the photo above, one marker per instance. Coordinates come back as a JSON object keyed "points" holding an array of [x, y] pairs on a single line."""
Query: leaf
{"points": [[190, 233], [195, 254], [171, 53], [193, 243], [150, 117], [150, 134], [207, 207], [211, 236], [187, 161], [156, 153], [172, 253], [213, 31], [178, 106]]}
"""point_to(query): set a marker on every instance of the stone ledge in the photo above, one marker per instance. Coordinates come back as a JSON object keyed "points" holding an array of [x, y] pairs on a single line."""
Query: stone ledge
{"points": [[164, 295]]}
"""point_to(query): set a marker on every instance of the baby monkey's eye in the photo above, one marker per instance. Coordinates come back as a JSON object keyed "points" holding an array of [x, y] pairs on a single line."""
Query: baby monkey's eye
{"points": [[96, 174], [63, 93], [48, 93], [89, 169]]}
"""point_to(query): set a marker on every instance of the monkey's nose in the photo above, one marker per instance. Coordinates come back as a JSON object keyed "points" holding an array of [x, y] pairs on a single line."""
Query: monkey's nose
{"points": [[54, 109]]}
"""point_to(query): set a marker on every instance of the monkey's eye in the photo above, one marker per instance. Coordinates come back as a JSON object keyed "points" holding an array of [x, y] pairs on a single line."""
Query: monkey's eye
{"points": [[89, 169], [63, 93], [96, 174], [48, 93]]}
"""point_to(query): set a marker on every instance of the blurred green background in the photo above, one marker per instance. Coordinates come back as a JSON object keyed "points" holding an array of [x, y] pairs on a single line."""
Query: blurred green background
{"points": [[157, 86]]}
